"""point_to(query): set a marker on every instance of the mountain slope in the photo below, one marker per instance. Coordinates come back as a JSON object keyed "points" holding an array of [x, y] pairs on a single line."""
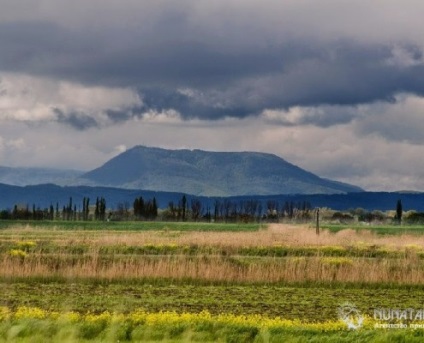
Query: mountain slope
{"points": [[209, 173], [34, 176]]}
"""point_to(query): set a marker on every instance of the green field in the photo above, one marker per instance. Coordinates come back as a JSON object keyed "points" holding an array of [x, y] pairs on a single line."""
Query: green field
{"points": [[307, 302], [129, 226], [188, 282]]}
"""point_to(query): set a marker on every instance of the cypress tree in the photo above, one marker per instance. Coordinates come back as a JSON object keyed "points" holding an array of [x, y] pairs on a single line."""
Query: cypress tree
{"points": [[399, 211], [184, 205]]}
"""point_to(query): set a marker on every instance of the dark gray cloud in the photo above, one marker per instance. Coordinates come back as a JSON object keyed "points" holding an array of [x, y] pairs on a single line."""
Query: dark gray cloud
{"points": [[339, 74], [79, 121], [42, 48], [217, 68]]}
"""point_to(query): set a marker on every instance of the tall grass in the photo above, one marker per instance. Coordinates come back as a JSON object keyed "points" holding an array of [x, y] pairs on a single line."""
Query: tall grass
{"points": [[407, 270], [278, 254]]}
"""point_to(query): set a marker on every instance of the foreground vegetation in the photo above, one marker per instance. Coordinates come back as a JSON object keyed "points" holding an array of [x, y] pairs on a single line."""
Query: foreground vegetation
{"points": [[308, 302], [170, 282], [34, 324]]}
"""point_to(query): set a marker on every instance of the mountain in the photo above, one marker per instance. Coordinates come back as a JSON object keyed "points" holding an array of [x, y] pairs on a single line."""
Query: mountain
{"points": [[35, 176], [207, 173]]}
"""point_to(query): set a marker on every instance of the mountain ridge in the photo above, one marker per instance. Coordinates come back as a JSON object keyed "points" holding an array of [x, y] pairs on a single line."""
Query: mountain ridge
{"points": [[24, 176], [209, 173]]}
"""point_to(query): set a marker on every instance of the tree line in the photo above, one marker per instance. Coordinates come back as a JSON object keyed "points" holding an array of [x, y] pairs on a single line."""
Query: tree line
{"points": [[72, 211], [192, 209], [226, 210], [185, 209]]}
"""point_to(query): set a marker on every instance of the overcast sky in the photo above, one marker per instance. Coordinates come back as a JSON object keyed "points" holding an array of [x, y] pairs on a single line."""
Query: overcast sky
{"points": [[333, 86]]}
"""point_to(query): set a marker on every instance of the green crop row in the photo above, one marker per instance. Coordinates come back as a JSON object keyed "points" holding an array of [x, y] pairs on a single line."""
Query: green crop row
{"points": [[131, 226], [367, 251]]}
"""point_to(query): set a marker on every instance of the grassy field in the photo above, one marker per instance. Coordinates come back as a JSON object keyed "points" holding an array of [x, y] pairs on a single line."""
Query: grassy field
{"points": [[203, 282], [306, 302], [378, 229], [128, 226]]}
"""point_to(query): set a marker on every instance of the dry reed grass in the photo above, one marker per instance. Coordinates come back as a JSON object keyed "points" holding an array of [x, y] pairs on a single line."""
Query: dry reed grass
{"points": [[216, 268], [408, 269]]}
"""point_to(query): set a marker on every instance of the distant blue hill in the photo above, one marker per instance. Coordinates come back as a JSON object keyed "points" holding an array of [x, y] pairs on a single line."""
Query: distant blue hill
{"points": [[48, 194], [45, 195], [205, 173], [19, 176]]}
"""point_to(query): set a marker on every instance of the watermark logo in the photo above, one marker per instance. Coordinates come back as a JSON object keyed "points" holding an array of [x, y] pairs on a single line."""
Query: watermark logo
{"points": [[397, 318], [349, 314], [383, 318]]}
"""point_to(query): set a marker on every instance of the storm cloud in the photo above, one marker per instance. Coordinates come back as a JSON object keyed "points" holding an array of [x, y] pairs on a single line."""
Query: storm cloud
{"points": [[228, 63]]}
